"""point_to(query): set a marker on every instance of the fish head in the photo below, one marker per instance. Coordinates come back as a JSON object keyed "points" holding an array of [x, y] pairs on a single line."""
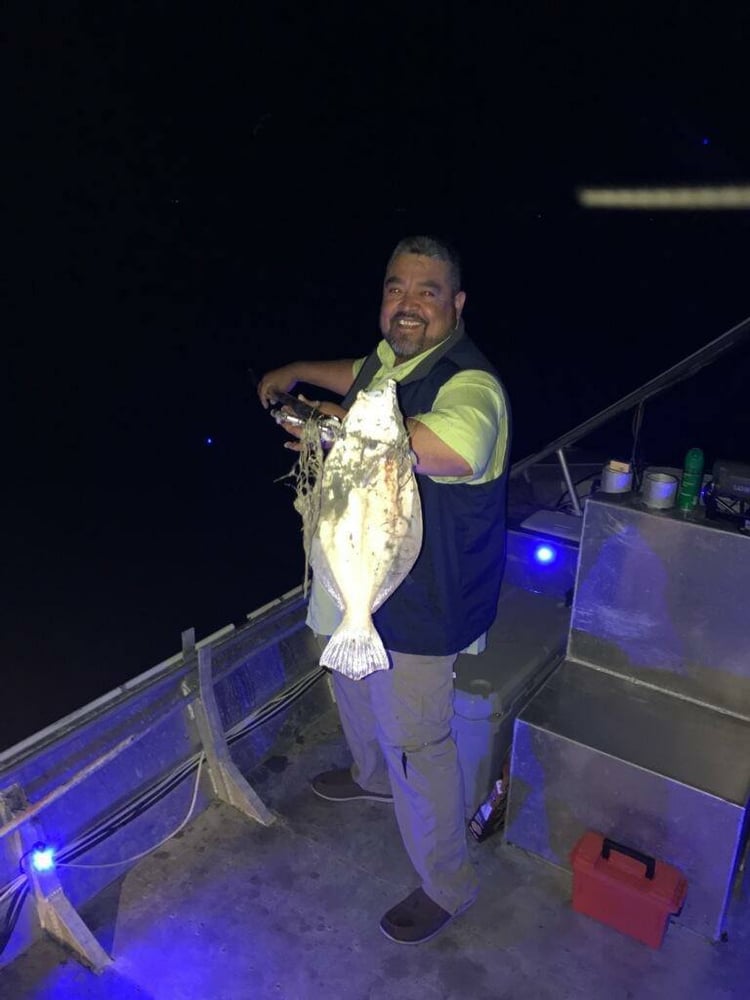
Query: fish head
{"points": [[375, 414]]}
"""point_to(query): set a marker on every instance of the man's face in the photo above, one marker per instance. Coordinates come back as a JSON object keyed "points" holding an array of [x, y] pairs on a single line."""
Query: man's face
{"points": [[419, 308]]}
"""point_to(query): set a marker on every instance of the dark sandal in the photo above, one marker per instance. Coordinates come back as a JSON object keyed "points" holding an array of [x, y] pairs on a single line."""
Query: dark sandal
{"points": [[415, 919]]}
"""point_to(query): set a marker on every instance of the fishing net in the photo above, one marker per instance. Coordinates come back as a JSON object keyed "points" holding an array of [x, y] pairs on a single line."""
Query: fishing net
{"points": [[308, 483]]}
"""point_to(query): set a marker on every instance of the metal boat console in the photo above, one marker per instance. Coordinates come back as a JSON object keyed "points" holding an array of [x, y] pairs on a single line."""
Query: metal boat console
{"points": [[643, 734]]}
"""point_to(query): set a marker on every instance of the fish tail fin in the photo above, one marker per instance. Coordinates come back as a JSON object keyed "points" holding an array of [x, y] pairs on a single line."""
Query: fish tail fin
{"points": [[355, 651]]}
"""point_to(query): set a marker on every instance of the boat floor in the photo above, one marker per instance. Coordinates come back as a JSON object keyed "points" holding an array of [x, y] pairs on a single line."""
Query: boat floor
{"points": [[231, 910]]}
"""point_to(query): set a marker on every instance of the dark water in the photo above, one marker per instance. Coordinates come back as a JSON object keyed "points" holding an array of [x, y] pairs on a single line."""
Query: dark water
{"points": [[193, 196]]}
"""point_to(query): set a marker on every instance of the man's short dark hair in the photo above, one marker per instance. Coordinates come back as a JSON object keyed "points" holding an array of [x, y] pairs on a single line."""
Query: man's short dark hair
{"points": [[430, 246]]}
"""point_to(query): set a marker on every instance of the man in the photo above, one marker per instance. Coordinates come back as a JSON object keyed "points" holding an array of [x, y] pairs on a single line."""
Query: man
{"points": [[397, 722]]}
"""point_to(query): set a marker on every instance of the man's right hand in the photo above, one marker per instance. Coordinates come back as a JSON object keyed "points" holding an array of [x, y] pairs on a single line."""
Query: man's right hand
{"points": [[281, 379], [325, 409]]}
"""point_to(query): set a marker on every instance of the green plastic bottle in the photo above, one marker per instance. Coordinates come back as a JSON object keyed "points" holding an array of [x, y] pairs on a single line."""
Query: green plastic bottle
{"points": [[692, 480]]}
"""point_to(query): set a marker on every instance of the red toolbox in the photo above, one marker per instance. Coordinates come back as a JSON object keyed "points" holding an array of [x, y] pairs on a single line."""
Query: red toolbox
{"points": [[630, 891]]}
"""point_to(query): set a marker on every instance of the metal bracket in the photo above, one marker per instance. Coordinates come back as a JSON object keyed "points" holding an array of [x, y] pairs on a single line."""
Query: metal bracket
{"points": [[228, 783], [57, 915], [569, 483]]}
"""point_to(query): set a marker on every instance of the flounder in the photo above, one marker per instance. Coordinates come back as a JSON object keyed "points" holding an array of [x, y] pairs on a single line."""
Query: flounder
{"points": [[369, 529]]}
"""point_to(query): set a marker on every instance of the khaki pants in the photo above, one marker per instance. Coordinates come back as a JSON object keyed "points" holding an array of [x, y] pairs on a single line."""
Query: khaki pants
{"points": [[397, 723]]}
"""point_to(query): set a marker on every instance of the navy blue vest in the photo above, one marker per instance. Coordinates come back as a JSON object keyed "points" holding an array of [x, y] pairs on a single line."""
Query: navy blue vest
{"points": [[450, 596]]}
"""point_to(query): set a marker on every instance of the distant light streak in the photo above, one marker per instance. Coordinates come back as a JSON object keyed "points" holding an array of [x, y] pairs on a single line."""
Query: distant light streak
{"points": [[716, 198]]}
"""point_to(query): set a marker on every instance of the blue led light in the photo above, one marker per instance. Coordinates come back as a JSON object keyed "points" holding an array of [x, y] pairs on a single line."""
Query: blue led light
{"points": [[705, 141], [545, 554], [209, 440], [43, 859]]}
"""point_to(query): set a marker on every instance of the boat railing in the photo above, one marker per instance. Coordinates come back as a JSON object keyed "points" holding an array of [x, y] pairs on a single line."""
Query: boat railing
{"points": [[190, 700], [685, 369]]}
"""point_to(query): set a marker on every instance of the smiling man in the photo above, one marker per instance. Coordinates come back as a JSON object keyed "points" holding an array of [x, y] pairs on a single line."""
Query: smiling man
{"points": [[422, 303], [397, 722]]}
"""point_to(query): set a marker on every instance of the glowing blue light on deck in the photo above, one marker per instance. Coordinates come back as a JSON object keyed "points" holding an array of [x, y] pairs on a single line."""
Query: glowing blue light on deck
{"points": [[43, 859], [209, 440], [545, 554]]}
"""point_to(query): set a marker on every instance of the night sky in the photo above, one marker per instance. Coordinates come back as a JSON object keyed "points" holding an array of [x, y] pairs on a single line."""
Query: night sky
{"points": [[194, 190]]}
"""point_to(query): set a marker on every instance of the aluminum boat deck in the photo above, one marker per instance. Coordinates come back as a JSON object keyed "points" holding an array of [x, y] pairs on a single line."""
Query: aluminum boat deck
{"points": [[232, 910]]}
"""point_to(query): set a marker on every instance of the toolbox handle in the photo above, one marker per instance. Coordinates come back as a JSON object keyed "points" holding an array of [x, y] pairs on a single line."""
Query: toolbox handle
{"points": [[612, 845]]}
